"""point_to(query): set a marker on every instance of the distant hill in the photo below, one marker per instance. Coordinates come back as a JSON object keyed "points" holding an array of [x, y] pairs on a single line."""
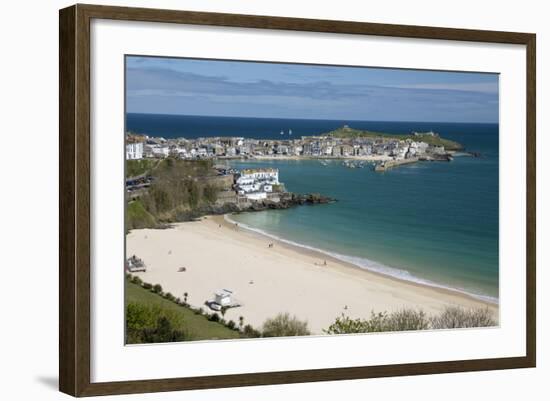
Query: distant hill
{"points": [[436, 140]]}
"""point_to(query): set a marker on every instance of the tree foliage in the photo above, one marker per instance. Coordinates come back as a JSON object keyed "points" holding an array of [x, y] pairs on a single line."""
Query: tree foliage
{"points": [[284, 325], [456, 317], [411, 319], [177, 186], [152, 324]]}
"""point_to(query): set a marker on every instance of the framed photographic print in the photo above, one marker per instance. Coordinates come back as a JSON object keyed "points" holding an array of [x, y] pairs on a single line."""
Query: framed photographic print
{"points": [[250, 200]]}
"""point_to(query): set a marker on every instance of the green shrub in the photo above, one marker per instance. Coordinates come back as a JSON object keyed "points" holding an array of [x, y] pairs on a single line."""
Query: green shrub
{"points": [[231, 324], [214, 317], [138, 167], [157, 288], [407, 319], [457, 317], [163, 332], [148, 324], [210, 193], [284, 325], [147, 286], [410, 319], [251, 332], [136, 280], [345, 325]]}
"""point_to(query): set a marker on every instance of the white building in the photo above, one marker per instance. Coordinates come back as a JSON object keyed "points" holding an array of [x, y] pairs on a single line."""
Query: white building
{"points": [[256, 183], [256, 196], [134, 151], [262, 175], [160, 151], [223, 297]]}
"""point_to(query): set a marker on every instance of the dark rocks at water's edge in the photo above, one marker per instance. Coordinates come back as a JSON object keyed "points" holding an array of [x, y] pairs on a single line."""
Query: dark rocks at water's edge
{"points": [[310, 199], [286, 202], [290, 201]]}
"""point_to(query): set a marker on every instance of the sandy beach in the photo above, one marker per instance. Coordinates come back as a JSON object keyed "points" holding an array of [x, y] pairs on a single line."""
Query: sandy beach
{"points": [[268, 280]]}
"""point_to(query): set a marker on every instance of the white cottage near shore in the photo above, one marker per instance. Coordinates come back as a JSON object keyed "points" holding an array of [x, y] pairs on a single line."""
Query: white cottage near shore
{"points": [[223, 297]]}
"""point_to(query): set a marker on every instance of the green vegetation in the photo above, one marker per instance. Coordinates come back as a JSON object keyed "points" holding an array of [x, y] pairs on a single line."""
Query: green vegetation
{"points": [[456, 317], [347, 132], [138, 167], [284, 325], [138, 217], [406, 319], [178, 187], [148, 308], [152, 324], [410, 319]]}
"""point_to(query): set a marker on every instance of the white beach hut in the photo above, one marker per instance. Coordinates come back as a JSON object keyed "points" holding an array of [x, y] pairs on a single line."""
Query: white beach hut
{"points": [[223, 297]]}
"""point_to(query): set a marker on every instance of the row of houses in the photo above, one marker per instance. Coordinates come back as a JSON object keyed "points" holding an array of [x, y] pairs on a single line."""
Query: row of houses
{"points": [[308, 146], [257, 184]]}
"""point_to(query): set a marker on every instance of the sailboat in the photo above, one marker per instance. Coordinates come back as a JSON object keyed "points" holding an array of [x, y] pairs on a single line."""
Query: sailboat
{"points": [[282, 132], [289, 132]]}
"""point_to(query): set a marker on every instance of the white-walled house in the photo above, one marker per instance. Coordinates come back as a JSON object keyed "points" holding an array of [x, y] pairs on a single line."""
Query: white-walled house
{"points": [[254, 184], [134, 151], [256, 196], [160, 151], [270, 175]]}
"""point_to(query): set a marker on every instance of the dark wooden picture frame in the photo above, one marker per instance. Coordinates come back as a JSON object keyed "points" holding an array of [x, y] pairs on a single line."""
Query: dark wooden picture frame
{"points": [[74, 203]]}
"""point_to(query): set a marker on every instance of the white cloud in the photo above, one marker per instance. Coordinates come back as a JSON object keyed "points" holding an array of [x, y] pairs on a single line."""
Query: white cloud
{"points": [[481, 87]]}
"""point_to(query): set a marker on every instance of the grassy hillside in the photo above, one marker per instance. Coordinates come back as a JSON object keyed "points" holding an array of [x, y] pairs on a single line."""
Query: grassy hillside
{"points": [[178, 187], [138, 217], [197, 326], [347, 132], [138, 167]]}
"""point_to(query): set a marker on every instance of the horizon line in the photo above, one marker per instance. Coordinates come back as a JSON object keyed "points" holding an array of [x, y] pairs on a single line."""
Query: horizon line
{"points": [[316, 119]]}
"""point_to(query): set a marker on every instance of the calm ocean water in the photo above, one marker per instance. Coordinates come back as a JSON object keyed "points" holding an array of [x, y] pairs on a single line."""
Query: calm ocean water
{"points": [[427, 222]]}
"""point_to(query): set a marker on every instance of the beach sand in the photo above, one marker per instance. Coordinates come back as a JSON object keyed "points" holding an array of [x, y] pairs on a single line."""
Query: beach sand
{"points": [[270, 280]]}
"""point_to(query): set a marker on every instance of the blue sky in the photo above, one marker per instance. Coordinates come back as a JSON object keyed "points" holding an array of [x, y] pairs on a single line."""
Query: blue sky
{"points": [[248, 89]]}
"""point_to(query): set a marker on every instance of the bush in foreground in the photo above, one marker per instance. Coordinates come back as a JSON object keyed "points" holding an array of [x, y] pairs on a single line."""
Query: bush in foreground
{"points": [[454, 317], [152, 324], [251, 332], [284, 325], [163, 332], [411, 319], [408, 319]]}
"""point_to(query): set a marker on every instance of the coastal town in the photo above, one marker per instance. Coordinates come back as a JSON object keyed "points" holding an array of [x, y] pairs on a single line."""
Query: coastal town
{"points": [[345, 143], [261, 186]]}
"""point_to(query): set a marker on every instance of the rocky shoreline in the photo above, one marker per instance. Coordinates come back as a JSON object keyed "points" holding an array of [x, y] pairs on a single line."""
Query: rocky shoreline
{"points": [[288, 201]]}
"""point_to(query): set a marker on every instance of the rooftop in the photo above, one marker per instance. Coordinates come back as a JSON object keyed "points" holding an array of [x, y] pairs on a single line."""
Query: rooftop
{"points": [[259, 170]]}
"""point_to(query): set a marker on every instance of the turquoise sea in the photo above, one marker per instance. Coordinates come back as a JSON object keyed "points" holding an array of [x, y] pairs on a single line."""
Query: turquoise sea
{"points": [[433, 222]]}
